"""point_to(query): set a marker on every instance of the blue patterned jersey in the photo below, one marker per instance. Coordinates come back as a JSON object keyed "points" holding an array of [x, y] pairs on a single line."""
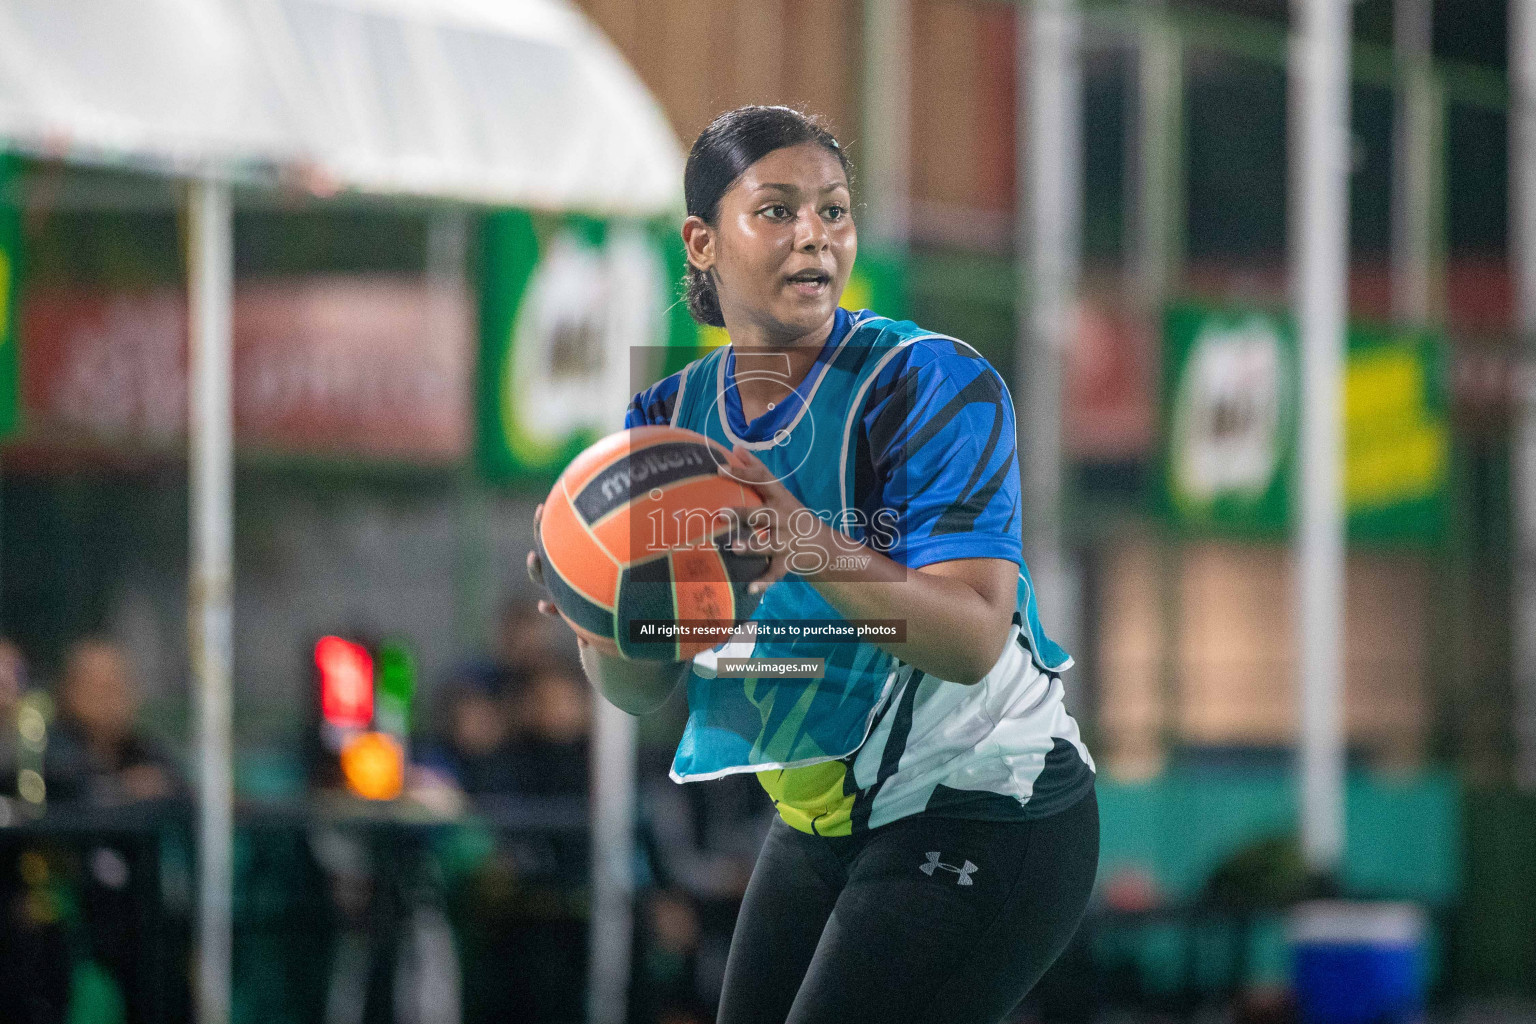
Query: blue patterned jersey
{"points": [[905, 440]]}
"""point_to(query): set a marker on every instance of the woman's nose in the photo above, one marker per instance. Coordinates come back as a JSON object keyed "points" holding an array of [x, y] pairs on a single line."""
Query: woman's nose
{"points": [[810, 232]]}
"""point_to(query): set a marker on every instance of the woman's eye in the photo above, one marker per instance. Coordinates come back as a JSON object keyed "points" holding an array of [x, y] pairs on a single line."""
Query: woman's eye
{"points": [[778, 211], [836, 212]]}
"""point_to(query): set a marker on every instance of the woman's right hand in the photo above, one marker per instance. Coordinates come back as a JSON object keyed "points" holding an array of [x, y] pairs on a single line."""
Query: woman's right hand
{"points": [[637, 687], [536, 574]]}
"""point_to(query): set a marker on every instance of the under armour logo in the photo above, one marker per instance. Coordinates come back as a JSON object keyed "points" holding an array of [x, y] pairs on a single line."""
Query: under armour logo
{"points": [[964, 871]]}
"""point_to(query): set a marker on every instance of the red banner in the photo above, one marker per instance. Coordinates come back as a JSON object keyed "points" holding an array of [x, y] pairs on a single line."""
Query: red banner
{"points": [[375, 368], [1107, 386]]}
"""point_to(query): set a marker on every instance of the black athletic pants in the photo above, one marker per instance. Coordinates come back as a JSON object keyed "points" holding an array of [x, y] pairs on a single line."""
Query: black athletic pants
{"points": [[927, 920]]}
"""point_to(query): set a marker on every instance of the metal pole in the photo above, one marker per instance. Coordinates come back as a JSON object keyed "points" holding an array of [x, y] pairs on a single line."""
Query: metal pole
{"points": [[887, 120], [1158, 264], [613, 882], [1320, 56], [447, 285], [1416, 151], [1049, 243], [1159, 199], [1522, 205], [210, 359]]}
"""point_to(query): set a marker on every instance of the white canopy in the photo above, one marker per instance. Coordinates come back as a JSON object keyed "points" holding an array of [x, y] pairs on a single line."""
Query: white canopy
{"points": [[506, 102], [513, 102]]}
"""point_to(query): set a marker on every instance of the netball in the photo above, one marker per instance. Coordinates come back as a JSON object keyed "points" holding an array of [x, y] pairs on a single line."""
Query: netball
{"points": [[631, 531]]}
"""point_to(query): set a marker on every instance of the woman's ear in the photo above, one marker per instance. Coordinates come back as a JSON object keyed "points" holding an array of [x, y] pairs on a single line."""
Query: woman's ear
{"points": [[699, 241]]}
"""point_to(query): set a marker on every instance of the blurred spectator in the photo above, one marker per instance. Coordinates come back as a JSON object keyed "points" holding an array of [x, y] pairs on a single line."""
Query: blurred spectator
{"points": [[13, 674], [552, 717], [527, 640], [96, 751], [525, 904], [704, 841], [484, 713], [34, 949], [472, 751], [97, 754]]}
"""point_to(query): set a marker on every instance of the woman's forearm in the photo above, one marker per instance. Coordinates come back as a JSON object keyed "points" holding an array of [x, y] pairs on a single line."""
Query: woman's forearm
{"points": [[956, 613], [637, 687], [952, 630]]}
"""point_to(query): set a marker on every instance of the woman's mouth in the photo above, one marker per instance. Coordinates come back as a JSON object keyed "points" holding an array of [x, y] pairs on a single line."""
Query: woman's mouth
{"points": [[809, 282]]}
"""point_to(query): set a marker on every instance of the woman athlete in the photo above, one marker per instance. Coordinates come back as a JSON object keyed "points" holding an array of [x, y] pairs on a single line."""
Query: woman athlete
{"points": [[938, 833]]}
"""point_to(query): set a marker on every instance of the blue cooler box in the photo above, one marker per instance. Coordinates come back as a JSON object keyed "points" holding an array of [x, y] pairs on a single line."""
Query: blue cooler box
{"points": [[1358, 963]]}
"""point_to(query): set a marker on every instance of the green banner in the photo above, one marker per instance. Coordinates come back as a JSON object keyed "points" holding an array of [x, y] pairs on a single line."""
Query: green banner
{"points": [[1230, 419], [576, 315], [878, 282], [574, 312], [1397, 435], [10, 292]]}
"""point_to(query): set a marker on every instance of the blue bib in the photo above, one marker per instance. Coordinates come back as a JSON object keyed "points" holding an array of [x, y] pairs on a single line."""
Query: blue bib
{"points": [[811, 441]]}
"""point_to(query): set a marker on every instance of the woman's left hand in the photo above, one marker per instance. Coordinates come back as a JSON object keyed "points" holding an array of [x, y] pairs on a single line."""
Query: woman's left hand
{"points": [[782, 528], [957, 613]]}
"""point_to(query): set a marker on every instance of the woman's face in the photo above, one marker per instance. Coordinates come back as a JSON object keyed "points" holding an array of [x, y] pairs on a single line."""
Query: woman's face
{"points": [[782, 246]]}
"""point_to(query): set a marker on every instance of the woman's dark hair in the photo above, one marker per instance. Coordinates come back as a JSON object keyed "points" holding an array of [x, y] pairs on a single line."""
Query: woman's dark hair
{"points": [[723, 151]]}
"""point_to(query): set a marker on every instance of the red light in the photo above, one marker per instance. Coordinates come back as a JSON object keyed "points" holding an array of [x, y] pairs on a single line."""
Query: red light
{"points": [[346, 682]]}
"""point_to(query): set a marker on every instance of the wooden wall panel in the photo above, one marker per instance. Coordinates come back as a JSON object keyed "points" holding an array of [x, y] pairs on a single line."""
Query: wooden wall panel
{"points": [[1133, 715], [620, 21], [996, 78], [636, 38], [1387, 699], [691, 63], [759, 33], [1235, 645], [702, 57], [1237, 649], [1235, 653], [944, 102], [822, 62]]}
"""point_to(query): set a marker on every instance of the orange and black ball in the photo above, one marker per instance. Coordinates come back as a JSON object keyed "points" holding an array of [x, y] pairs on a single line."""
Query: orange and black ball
{"points": [[631, 533]]}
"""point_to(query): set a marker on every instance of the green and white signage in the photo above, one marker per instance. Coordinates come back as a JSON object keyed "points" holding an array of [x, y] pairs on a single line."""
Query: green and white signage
{"points": [[1229, 418], [1229, 426], [570, 306]]}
